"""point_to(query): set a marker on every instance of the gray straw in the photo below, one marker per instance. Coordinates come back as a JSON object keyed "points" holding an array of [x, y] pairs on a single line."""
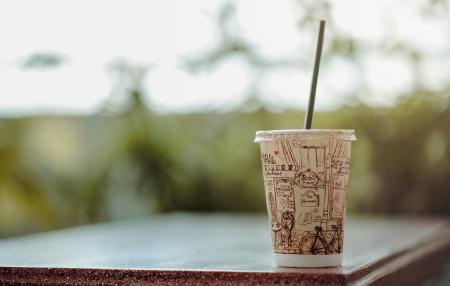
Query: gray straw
{"points": [[312, 95]]}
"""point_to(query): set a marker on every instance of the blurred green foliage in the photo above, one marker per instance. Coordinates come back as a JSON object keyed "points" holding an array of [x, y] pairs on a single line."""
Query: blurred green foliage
{"points": [[125, 161], [60, 171]]}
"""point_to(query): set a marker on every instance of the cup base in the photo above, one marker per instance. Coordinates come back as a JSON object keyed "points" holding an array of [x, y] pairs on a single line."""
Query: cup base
{"points": [[297, 260]]}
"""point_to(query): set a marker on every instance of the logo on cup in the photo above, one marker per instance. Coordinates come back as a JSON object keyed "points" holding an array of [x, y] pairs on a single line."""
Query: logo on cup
{"points": [[306, 178]]}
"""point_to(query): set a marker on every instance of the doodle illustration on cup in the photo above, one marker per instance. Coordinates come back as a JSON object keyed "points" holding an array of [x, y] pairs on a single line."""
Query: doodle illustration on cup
{"points": [[306, 176]]}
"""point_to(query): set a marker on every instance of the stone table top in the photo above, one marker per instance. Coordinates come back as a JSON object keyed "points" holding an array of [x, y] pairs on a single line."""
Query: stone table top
{"points": [[219, 249]]}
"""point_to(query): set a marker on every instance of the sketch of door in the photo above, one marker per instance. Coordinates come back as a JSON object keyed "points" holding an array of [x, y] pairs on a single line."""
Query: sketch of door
{"points": [[310, 182], [340, 165]]}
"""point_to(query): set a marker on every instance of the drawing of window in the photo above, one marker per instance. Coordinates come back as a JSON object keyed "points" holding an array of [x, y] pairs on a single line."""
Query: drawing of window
{"points": [[312, 157], [337, 203], [272, 207], [284, 195], [338, 181]]}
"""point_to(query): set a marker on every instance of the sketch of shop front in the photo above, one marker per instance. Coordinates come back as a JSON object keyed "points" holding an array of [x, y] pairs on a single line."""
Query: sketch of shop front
{"points": [[306, 183], [310, 185]]}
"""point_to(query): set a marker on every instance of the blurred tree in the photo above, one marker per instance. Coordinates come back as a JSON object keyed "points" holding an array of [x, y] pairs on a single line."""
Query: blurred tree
{"points": [[128, 161], [411, 159], [43, 60], [139, 145], [23, 200]]}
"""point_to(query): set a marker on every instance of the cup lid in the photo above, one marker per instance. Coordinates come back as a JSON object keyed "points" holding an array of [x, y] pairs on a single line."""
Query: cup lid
{"points": [[342, 134]]}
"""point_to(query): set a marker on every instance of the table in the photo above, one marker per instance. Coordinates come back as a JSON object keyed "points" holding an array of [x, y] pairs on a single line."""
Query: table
{"points": [[219, 249]]}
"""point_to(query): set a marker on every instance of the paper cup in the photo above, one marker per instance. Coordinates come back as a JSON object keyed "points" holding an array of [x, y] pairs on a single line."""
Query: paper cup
{"points": [[306, 182]]}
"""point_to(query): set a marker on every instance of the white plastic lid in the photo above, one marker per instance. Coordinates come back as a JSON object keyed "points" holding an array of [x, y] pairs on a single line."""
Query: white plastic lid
{"points": [[342, 134]]}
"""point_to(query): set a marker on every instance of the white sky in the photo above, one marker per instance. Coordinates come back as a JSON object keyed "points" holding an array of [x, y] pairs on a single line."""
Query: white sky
{"points": [[90, 34]]}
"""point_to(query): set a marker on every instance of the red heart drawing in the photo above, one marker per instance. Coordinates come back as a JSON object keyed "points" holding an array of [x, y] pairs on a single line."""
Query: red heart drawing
{"points": [[276, 152]]}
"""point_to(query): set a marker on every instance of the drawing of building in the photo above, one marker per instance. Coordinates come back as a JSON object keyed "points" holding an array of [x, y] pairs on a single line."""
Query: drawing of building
{"points": [[306, 190]]}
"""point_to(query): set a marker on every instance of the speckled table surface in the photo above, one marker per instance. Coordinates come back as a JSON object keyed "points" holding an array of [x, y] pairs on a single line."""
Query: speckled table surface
{"points": [[188, 249]]}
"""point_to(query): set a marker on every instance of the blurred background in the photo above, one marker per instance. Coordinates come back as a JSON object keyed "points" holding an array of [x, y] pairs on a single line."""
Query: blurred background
{"points": [[120, 109]]}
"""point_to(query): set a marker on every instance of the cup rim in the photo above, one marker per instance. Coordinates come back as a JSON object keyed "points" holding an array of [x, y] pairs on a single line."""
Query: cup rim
{"points": [[344, 134]]}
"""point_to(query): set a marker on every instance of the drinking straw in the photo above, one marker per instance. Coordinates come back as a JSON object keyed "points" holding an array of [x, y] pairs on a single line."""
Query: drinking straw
{"points": [[312, 95]]}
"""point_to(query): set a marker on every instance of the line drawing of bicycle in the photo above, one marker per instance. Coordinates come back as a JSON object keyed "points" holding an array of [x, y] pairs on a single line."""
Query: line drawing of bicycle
{"points": [[317, 243]]}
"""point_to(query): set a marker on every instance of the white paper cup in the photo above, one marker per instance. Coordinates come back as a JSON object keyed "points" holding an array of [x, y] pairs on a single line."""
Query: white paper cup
{"points": [[306, 182]]}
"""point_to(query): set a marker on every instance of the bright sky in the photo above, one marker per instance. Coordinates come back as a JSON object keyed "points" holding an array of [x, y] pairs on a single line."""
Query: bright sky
{"points": [[90, 34]]}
